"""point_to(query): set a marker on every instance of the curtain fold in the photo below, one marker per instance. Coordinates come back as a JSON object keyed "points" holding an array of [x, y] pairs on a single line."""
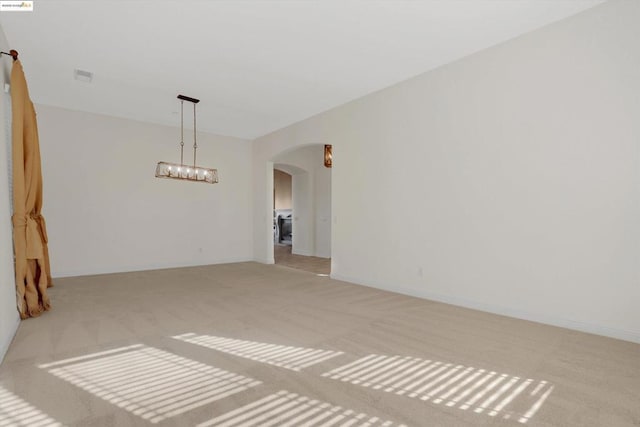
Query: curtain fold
{"points": [[29, 229]]}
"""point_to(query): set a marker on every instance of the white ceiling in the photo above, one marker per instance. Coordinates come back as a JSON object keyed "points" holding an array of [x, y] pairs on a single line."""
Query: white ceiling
{"points": [[256, 65]]}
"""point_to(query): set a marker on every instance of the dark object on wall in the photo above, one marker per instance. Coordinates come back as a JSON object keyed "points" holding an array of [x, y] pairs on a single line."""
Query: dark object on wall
{"points": [[12, 53], [328, 156]]}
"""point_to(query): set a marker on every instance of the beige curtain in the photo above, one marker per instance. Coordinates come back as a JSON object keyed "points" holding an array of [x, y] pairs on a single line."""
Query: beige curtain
{"points": [[29, 230]]}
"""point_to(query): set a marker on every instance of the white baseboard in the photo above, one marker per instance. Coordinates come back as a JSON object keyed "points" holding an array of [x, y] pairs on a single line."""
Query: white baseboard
{"points": [[146, 267], [6, 340], [626, 335]]}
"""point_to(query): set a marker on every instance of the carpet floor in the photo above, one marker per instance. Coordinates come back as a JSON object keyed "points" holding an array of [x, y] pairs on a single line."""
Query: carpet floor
{"points": [[249, 344]]}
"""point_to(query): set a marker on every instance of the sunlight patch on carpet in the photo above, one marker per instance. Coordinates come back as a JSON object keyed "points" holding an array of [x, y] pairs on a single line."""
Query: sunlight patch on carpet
{"points": [[150, 383], [294, 358], [466, 388], [285, 409], [14, 411]]}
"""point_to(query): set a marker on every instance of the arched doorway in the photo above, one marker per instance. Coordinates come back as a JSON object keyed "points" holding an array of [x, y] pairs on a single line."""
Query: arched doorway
{"points": [[309, 217]]}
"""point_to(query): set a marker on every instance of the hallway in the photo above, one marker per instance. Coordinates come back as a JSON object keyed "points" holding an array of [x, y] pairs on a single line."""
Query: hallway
{"points": [[283, 256]]}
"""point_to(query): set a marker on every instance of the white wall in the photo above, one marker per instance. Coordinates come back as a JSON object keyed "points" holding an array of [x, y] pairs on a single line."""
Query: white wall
{"points": [[311, 194], [9, 318], [322, 193], [303, 237], [106, 212], [507, 181]]}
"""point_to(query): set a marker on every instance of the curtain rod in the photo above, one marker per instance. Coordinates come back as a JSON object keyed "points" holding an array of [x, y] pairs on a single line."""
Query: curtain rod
{"points": [[12, 53]]}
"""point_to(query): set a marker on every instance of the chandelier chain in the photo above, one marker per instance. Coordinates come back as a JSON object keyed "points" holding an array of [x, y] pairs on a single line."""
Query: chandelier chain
{"points": [[181, 132], [195, 144]]}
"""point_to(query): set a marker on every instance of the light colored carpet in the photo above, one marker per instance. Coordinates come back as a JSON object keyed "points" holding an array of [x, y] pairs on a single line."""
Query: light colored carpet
{"points": [[257, 345]]}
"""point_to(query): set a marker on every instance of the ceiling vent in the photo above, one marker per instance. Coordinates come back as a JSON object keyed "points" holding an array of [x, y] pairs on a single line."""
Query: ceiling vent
{"points": [[83, 76]]}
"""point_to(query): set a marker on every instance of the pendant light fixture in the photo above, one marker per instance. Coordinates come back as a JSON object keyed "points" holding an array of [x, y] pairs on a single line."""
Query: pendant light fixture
{"points": [[328, 156], [187, 172]]}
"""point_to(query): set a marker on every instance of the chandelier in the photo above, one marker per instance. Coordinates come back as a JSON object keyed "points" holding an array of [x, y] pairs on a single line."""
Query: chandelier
{"points": [[180, 170]]}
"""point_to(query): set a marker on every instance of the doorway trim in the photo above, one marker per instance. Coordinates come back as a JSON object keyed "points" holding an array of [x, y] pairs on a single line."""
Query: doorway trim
{"points": [[267, 240]]}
